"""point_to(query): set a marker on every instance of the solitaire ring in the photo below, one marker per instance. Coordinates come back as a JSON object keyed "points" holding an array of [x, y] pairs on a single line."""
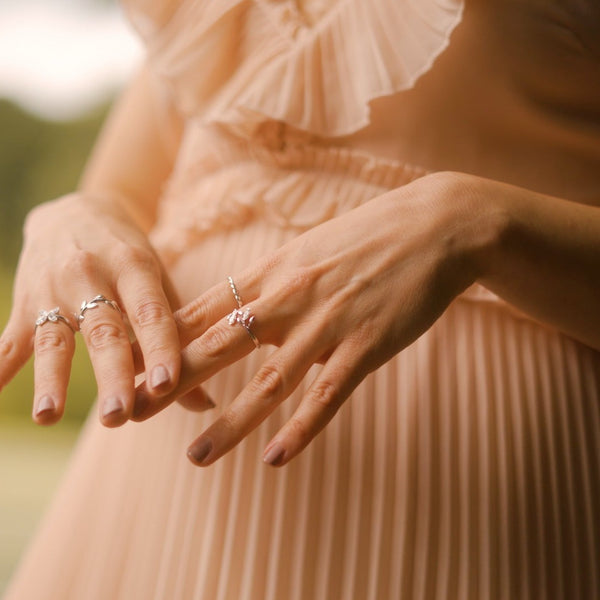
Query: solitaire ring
{"points": [[52, 316], [95, 302]]}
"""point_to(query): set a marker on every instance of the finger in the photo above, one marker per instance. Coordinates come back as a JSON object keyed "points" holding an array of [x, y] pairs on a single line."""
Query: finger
{"points": [[107, 340], [197, 400], [197, 316], [152, 321], [16, 346], [221, 345], [338, 379], [54, 348], [273, 383]]}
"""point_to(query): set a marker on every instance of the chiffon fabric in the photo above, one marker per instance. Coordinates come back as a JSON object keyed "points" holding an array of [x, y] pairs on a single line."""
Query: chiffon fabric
{"points": [[468, 467]]}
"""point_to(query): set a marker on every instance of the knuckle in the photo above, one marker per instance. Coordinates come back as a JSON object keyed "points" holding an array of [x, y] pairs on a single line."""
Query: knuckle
{"points": [[215, 341], [149, 312], [8, 346], [302, 279], [50, 340], [324, 395], [194, 314], [136, 258], [101, 335], [268, 382]]}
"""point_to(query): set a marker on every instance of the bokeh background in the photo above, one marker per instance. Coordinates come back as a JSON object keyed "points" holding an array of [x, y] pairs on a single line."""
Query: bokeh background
{"points": [[62, 63]]}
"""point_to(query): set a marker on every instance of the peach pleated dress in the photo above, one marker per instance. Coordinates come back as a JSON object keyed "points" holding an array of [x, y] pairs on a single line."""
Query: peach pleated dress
{"points": [[468, 467]]}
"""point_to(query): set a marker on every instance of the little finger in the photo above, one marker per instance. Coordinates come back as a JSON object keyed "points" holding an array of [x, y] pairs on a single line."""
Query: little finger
{"points": [[332, 387], [16, 346]]}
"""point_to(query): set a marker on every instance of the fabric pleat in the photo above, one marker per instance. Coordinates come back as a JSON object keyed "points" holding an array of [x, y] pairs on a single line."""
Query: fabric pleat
{"points": [[432, 482], [467, 467]]}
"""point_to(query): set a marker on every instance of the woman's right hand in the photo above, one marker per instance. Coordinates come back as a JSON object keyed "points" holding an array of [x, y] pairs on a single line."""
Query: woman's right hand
{"points": [[78, 247]]}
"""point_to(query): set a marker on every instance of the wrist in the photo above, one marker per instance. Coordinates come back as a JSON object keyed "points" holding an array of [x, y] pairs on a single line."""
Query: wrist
{"points": [[481, 222]]}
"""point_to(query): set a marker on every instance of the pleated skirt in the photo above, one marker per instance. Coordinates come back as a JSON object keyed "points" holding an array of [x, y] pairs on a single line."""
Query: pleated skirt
{"points": [[468, 467]]}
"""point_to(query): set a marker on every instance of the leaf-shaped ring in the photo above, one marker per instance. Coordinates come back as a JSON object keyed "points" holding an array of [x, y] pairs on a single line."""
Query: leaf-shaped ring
{"points": [[94, 303]]}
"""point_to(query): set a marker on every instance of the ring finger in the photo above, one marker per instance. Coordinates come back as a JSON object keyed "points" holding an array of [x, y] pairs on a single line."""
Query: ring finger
{"points": [[107, 340]]}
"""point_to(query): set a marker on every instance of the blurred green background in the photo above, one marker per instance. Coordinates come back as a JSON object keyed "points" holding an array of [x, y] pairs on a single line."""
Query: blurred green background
{"points": [[39, 160], [59, 58]]}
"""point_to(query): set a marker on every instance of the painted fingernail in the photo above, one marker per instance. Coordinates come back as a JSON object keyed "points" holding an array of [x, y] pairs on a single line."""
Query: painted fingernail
{"points": [[45, 404], [112, 406], [274, 454], [159, 377], [198, 452]]}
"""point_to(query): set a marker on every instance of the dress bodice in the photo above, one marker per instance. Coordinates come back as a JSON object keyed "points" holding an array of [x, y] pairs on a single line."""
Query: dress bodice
{"points": [[297, 110]]}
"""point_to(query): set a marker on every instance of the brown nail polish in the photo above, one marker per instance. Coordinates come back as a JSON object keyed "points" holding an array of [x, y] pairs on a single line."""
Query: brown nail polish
{"points": [[159, 377], [45, 404], [274, 455], [199, 451]]}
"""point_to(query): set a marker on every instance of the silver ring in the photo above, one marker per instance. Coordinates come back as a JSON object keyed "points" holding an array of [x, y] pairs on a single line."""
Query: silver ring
{"points": [[52, 316], [243, 317], [94, 303], [236, 294]]}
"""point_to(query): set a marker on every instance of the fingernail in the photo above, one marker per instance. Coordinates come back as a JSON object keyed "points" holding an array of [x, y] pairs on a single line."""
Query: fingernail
{"points": [[159, 377], [45, 404], [198, 452], [274, 454], [111, 406]]}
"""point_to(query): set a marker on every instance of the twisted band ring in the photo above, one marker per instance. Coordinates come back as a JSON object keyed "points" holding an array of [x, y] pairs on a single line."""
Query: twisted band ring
{"points": [[52, 316], [94, 303], [236, 294]]}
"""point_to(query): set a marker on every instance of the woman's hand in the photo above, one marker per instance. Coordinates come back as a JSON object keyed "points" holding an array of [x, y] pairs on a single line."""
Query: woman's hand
{"points": [[75, 248], [350, 293]]}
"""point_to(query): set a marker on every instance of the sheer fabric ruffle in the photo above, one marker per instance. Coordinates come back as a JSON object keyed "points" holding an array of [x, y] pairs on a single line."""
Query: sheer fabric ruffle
{"points": [[314, 65]]}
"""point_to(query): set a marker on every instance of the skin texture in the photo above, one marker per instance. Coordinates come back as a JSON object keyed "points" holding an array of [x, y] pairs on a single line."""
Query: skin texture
{"points": [[356, 290], [349, 294], [94, 242]]}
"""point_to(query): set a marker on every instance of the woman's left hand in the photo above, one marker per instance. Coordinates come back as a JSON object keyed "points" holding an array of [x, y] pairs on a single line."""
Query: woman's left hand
{"points": [[350, 293]]}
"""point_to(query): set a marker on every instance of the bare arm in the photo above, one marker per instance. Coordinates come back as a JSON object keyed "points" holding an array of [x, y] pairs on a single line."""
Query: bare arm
{"points": [[542, 256], [136, 149]]}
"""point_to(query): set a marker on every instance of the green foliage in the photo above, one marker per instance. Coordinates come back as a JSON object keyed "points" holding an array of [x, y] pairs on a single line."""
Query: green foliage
{"points": [[39, 160]]}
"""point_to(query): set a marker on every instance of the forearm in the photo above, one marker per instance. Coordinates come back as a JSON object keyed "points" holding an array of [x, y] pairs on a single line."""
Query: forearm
{"points": [[135, 151], [542, 255]]}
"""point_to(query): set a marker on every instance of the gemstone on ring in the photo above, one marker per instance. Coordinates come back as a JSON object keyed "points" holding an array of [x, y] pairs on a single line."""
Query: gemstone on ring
{"points": [[243, 317], [51, 316]]}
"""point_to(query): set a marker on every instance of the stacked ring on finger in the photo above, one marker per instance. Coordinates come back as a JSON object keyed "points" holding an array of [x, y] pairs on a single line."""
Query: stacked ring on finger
{"points": [[241, 316], [52, 316], [94, 303]]}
